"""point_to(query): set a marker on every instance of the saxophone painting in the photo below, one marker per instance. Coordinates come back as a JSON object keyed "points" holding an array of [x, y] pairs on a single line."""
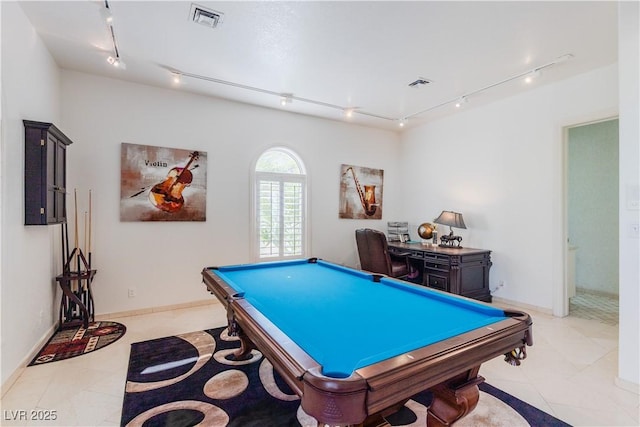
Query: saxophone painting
{"points": [[360, 192]]}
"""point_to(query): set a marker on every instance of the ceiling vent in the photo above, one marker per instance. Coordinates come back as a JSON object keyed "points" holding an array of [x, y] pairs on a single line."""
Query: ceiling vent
{"points": [[419, 83], [207, 17]]}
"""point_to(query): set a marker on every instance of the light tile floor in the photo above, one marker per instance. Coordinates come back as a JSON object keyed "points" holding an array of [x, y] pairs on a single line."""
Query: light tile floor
{"points": [[591, 305], [569, 373]]}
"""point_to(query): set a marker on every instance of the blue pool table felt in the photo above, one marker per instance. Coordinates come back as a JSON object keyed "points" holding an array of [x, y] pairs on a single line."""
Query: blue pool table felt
{"points": [[344, 320]]}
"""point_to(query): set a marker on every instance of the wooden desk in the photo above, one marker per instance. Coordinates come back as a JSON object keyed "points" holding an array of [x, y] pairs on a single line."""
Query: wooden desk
{"points": [[463, 271]]}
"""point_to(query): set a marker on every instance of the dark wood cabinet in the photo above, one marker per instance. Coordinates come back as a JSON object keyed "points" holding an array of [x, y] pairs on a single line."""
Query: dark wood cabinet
{"points": [[45, 159], [463, 271]]}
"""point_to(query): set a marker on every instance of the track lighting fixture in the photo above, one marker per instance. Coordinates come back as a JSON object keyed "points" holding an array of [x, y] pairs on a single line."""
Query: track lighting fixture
{"points": [[529, 75], [534, 74], [285, 99], [114, 60], [347, 112], [106, 14], [117, 62], [461, 101], [175, 77]]}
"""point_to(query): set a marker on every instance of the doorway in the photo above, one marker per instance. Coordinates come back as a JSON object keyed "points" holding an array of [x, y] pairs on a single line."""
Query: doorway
{"points": [[592, 203]]}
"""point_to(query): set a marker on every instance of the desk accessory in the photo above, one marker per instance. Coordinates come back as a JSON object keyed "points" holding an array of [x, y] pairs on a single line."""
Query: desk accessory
{"points": [[452, 219], [428, 231]]}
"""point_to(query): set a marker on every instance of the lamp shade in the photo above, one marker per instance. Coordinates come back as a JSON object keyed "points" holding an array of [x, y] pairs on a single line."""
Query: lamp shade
{"points": [[452, 219]]}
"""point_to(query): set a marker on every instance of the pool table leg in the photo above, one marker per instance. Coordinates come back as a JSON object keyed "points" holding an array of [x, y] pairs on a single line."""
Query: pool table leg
{"points": [[454, 398], [246, 345]]}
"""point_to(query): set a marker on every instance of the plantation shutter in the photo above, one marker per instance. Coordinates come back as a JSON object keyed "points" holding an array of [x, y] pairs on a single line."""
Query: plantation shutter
{"points": [[280, 215]]}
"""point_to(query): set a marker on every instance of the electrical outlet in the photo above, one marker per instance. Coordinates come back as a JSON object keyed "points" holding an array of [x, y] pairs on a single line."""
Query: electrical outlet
{"points": [[132, 292], [497, 288]]}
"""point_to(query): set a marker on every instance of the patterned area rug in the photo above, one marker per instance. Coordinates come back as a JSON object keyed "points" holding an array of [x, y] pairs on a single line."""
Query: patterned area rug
{"points": [[189, 379], [75, 341]]}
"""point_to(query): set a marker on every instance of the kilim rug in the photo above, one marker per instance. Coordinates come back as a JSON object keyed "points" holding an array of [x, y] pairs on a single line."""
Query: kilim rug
{"points": [[75, 341], [189, 380]]}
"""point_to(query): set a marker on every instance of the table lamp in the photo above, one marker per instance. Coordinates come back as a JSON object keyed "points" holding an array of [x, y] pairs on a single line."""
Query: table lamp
{"points": [[452, 219]]}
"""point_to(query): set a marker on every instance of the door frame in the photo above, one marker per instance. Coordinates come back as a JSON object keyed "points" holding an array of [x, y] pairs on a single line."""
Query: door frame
{"points": [[560, 297]]}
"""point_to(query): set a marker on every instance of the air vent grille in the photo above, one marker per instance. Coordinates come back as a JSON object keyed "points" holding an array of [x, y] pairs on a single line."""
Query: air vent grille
{"points": [[203, 16], [419, 83]]}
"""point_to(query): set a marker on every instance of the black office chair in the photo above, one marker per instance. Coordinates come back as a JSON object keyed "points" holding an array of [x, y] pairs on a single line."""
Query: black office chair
{"points": [[375, 257]]}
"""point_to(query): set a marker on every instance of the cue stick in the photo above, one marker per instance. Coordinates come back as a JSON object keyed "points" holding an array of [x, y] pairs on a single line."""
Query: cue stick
{"points": [[65, 243], [86, 235], [62, 242], [75, 240], [90, 225], [86, 224], [89, 304]]}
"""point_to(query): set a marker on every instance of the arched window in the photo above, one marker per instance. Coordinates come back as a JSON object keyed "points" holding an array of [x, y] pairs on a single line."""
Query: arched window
{"points": [[280, 206]]}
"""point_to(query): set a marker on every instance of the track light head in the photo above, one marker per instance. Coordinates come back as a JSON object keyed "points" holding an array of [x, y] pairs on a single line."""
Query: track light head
{"points": [[286, 98], [534, 74], [348, 112], [461, 101], [106, 15], [120, 64], [117, 62]]}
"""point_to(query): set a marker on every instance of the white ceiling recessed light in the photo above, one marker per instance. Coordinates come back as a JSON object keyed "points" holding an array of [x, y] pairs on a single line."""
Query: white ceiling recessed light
{"points": [[204, 16]]}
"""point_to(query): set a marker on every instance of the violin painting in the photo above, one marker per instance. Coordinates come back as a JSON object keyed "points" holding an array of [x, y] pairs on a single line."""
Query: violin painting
{"points": [[167, 195], [162, 184]]}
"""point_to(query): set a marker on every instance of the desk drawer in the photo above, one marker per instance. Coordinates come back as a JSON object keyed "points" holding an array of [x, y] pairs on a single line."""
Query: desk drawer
{"points": [[430, 265], [436, 262], [437, 259], [436, 281]]}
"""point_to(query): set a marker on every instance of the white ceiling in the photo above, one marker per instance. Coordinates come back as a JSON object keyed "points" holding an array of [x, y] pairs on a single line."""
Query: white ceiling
{"points": [[348, 54]]}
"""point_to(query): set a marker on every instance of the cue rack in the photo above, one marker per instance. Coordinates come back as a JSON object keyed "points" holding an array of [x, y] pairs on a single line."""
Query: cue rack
{"points": [[76, 305]]}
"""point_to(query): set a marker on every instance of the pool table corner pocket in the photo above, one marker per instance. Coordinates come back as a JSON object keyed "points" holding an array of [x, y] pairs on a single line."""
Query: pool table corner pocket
{"points": [[334, 400]]}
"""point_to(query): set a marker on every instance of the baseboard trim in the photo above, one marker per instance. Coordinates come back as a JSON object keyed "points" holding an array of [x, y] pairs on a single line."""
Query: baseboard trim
{"points": [[8, 383], [597, 292], [627, 385], [140, 311], [504, 301]]}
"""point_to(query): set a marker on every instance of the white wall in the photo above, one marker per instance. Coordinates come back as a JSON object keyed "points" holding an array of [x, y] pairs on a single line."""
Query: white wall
{"points": [[163, 261], [30, 255], [629, 60], [501, 166]]}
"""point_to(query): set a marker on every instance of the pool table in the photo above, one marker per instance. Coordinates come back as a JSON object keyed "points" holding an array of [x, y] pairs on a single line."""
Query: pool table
{"points": [[356, 346]]}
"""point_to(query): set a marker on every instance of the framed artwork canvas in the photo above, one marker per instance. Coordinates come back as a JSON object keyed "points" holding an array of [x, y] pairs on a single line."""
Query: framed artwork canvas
{"points": [[162, 184], [360, 192]]}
